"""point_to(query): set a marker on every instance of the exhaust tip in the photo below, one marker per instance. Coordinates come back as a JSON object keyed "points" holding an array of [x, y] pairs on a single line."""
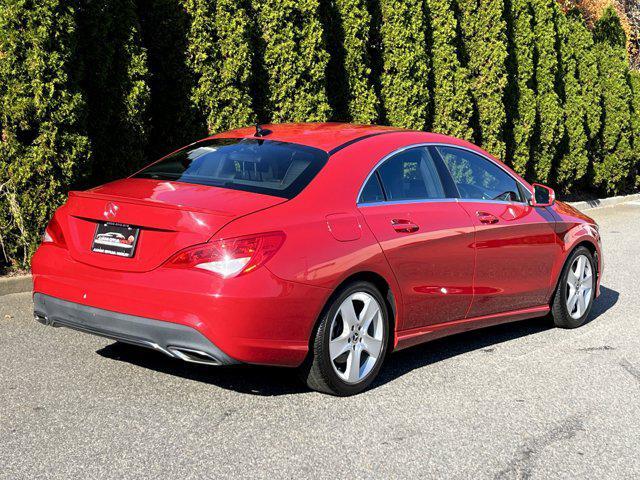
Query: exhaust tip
{"points": [[193, 356], [43, 319]]}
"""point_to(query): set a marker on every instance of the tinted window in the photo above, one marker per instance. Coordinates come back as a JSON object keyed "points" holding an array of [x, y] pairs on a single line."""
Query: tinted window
{"points": [[411, 175], [477, 177], [372, 192], [261, 166]]}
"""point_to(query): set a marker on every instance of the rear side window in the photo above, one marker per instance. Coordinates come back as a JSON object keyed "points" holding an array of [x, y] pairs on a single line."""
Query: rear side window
{"points": [[411, 175], [478, 178], [372, 191], [261, 166]]}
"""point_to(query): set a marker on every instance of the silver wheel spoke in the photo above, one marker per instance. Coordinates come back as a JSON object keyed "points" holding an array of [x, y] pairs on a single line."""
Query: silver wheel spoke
{"points": [[348, 313], [371, 345], [572, 279], [338, 346], [580, 304], [582, 261], [353, 365], [368, 313], [571, 303]]}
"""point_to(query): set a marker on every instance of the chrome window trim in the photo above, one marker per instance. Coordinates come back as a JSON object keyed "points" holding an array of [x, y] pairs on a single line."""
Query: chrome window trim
{"points": [[431, 200], [405, 202], [439, 200]]}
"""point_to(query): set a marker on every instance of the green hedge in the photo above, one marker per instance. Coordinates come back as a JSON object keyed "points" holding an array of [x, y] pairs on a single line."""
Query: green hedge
{"points": [[92, 89], [452, 99], [220, 55], [45, 149]]}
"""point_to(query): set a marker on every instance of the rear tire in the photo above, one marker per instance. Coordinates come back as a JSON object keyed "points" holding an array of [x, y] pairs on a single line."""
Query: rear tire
{"points": [[575, 291], [350, 343]]}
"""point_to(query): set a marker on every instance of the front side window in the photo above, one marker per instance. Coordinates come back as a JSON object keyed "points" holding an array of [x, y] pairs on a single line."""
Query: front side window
{"points": [[411, 175], [478, 178], [261, 166]]}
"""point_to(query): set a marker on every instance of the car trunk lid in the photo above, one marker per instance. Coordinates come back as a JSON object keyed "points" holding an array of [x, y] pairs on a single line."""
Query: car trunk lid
{"points": [[170, 215]]}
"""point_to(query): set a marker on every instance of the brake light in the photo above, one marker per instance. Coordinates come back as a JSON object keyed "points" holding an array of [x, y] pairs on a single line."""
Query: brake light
{"points": [[53, 234], [230, 257]]}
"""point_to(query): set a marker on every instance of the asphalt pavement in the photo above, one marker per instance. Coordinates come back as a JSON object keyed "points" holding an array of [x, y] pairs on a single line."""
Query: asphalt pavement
{"points": [[523, 400]]}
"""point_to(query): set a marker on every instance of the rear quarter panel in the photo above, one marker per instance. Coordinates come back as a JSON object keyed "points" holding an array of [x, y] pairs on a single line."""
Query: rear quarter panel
{"points": [[328, 239]]}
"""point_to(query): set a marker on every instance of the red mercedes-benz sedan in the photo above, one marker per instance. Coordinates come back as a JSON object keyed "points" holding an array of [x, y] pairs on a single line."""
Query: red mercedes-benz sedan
{"points": [[318, 246]]}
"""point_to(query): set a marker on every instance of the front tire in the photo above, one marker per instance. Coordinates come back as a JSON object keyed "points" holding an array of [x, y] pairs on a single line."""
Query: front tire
{"points": [[350, 343], [576, 289]]}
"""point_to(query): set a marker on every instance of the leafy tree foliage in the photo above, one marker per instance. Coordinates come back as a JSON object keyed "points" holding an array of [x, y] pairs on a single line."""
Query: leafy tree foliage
{"points": [[581, 102], [92, 89], [549, 114], [485, 44], [347, 25], [522, 97], [44, 148], [611, 171], [635, 88], [175, 121], [220, 56], [115, 83], [295, 60], [452, 97], [406, 69]]}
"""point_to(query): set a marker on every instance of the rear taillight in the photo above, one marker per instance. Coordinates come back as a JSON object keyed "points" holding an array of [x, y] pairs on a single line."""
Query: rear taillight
{"points": [[53, 234], [230, 257]]}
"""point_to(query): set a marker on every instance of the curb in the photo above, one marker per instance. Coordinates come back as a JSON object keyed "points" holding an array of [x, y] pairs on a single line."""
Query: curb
{"points": [[604, 202], [19, 284]]}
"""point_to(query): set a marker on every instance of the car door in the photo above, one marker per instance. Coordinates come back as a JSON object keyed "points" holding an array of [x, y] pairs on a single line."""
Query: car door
{"points": [[409, 203], [515, 242]]}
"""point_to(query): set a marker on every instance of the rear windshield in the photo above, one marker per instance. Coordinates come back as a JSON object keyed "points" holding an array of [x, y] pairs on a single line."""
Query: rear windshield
{"points": [[261, 166]]}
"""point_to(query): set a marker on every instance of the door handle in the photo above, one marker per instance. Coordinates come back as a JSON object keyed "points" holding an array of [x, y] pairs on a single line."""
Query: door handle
{"points": [[404, 226], [487, 218]]}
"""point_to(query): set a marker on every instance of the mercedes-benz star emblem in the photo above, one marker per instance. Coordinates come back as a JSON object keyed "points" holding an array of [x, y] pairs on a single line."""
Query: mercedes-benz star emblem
{"points": [[111, 210]]}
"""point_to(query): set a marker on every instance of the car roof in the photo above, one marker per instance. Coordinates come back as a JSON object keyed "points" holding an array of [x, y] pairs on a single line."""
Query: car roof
{"points": [[328, 136]]}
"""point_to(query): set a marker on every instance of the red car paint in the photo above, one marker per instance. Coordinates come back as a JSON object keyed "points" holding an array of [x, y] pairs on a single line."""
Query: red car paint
{"points": [[450, 266]]}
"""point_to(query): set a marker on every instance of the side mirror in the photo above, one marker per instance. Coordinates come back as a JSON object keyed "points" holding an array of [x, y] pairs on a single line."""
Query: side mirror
{"points": [[542, 196]]}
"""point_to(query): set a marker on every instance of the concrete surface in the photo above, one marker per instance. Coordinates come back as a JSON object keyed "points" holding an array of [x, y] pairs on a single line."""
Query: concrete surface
{"points": [[516, 401], [17, 284], [605, 202]]}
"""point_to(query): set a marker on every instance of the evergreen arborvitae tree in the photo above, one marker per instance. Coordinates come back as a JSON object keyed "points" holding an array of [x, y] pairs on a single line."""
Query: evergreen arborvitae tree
{"points": [[549, 114], [635, 91], [405, 85], [452, 98], [175, 121], [522, 97], [295, 60], [220, 56], [43, 146], [612, 171], [574, 159], [347, 25], [115, 81], [587, 63], [485, 43]]}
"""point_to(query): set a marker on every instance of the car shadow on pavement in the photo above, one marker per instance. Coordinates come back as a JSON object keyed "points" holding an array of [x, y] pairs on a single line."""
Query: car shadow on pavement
{"points": [[249, 379], [485, 339], [607, 299], [270, 381]]}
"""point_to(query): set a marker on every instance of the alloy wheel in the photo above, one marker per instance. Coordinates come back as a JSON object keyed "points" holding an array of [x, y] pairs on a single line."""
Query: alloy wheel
{"points": [[579, 286], [356, 337]]}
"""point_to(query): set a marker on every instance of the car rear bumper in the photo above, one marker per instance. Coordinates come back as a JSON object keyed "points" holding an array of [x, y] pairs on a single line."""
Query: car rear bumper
{"points": [[174, 340], [255, 318]]}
